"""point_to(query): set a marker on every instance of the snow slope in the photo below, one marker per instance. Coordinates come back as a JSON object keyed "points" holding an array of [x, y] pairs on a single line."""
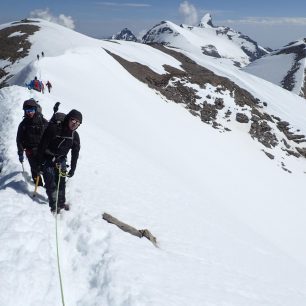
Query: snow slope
{"points": [[229, 224], [284, 67]]}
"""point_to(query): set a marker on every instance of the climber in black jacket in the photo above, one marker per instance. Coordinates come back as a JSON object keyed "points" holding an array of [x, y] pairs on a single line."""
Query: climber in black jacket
{"points": [[58, 139], [29, 134]]}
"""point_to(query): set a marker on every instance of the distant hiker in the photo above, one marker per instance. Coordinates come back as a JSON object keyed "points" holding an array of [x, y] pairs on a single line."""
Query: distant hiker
{"points": [[29, 134], [42, 53], [59, 138], [49, 85], [36, 85], [37, 56]]}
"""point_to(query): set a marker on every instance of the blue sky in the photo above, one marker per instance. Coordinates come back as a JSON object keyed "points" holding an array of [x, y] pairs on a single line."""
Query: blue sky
{"points": [[272, 23]]}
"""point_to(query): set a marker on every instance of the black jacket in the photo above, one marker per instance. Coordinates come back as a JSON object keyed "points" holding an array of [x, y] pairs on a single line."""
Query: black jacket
{"points": [[56, 143], [30, 131]]}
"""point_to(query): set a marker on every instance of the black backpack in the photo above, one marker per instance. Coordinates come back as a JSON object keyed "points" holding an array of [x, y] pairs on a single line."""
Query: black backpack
{"points": [[57, 118]]}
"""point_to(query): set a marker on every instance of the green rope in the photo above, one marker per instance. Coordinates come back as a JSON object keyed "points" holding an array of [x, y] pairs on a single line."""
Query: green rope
{"points": [[60, 174]]}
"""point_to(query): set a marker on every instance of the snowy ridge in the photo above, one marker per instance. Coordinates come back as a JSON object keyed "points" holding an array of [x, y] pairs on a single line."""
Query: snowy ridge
{"points": [[218, 42], [229, 223], [284, 67]]}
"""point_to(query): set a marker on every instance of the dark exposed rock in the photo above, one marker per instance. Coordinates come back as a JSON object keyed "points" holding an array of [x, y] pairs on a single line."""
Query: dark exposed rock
{"points": [[228, 113], [290, 152], [302, 151], [219, 103], [210, 50], [262, 132], [287, 170], [193, 106], [16, 47], [285, 143], [303, 89], [283, 126], [216, 125], [271, 156], [299, 52], [242, 118], [276, 118], [208, 112], [265, 103]]}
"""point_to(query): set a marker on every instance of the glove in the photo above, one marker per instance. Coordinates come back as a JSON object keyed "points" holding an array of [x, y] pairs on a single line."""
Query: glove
{"points": [[21, 158], [70, 173]]}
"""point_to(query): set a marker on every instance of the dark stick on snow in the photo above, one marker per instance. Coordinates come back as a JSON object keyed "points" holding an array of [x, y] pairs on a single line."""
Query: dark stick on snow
{"points": [[129, 229]]}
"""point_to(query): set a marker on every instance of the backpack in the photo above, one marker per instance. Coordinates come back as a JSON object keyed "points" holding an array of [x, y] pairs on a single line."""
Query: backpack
{"points": [[57, 118], [37, 85]]}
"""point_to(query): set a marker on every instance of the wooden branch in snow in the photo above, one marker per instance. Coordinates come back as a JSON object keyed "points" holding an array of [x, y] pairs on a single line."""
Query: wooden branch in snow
{"points": [[129, 229]]}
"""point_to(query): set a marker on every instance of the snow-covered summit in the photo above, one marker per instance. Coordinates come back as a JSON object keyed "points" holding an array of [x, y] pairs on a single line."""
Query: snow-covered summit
{"points": [[220, 42], [284, 67], [125, 34], [206, 21]]}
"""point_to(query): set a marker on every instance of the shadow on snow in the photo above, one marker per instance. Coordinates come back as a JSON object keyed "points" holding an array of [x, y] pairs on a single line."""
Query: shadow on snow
{"points": [[22, 186]]}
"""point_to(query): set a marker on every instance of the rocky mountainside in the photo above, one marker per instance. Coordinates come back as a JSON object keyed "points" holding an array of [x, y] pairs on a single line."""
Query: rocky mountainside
{"points": [[125, 34], [285, 67], [218, 42], [222, 103], [14, 45]]}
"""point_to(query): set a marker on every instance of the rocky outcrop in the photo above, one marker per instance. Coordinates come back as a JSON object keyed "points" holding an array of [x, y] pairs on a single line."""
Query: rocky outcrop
{"points": [[180, 87], [242, 118], [14, 47]]}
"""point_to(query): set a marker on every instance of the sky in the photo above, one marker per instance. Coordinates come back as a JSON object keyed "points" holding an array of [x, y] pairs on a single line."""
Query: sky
{"points": [[270, 23]]}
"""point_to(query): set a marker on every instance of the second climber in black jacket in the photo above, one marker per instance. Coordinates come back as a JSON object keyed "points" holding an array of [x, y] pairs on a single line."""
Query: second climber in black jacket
{"points": [[58, 139], [29, 134]]}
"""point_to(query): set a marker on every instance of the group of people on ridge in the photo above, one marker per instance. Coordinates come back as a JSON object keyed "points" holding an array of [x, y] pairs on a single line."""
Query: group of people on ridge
{"points": [[46, 145], [39, 85]]}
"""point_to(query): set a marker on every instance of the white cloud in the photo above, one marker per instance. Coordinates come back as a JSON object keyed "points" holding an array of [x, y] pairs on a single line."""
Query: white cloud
{"points": [[124, 4], [269, 21], [62, 19], [189, 13]]}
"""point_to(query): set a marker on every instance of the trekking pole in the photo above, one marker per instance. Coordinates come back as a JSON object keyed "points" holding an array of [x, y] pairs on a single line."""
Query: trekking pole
{"points": [[36, 185]]}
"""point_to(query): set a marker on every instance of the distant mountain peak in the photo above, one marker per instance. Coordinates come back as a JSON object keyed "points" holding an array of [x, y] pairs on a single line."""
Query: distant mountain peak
{"points": [[206, 21], [125, 34]]}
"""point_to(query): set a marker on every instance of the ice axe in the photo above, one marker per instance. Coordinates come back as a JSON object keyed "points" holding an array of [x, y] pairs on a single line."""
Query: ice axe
{"points": [[55, 107]]}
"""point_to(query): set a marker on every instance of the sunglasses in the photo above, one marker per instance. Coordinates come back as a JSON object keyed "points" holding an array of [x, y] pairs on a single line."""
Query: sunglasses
{"points": [[75, 121], [30, 110]]}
